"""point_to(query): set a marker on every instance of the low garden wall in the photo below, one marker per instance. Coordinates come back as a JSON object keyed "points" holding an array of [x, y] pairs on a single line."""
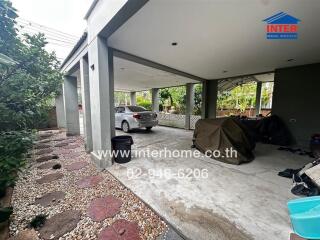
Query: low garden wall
{"points": [[176, 120]]}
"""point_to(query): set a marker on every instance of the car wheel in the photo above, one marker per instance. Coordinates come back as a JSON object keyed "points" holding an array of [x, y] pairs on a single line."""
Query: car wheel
{"points": [[148, 129], [125, 127]]}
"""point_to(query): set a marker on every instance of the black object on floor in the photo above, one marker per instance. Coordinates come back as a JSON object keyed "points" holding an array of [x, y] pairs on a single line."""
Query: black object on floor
{"points": [[297, 151], [289, 173], [122, 146]]}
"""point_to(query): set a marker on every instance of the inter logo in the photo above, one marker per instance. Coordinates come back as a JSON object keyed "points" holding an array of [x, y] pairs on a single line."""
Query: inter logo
{"points": [[282, 26]]}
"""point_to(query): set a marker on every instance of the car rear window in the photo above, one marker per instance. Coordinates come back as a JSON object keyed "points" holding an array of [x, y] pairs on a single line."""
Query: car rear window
{"points": [[136, 109]]}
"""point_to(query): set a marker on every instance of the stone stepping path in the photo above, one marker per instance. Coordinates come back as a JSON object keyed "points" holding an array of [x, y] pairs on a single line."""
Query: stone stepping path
{"points": [[59, 139], [73, 146], [90, 181], [120, 230], [60, 224], [61, 144], [49, 178], [50, 199], [62, 151], [41, 146], [46, 135], [105, 207], [44, 141], [76, 166], [47, 158], [44, 151], [47, 165], [73, 154]]}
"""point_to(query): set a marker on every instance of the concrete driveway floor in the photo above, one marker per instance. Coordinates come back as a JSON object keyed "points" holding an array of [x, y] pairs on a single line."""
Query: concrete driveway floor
{"points": [[234, 202]]}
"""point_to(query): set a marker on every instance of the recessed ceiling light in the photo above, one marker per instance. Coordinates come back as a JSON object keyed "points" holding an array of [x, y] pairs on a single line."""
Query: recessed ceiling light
{"points": [[174, 43], [290, 60]]}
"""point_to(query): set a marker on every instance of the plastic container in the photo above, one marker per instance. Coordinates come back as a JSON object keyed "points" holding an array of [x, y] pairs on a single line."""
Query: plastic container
{"points": [[305, 217], [122, 148]]}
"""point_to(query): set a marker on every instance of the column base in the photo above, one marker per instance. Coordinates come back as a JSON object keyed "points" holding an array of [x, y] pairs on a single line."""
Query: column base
{"points": [[101, 162]]}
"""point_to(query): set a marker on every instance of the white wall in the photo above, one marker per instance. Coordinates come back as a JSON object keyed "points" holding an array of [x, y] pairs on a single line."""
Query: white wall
{"points": [[101, 15]]}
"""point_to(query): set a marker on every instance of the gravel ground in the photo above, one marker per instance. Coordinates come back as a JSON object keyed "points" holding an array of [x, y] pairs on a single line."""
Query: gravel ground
{"points": [[27, 190]]}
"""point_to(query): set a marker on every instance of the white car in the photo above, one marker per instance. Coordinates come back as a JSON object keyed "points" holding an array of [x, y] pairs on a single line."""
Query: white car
{"points": [[133, 117]]}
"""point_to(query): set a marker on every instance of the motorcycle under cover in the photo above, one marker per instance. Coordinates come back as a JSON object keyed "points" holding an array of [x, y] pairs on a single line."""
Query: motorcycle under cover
{"points": [[221, 134]]}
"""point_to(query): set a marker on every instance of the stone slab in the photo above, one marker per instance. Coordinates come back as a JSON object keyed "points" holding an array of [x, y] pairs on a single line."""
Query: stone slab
{"points": [[60, 224], [90, 181], [105, 207], [120, 230], [47, 165], [47, 158], [76, 166], [44, 151], [50, 199], [49, 178]]}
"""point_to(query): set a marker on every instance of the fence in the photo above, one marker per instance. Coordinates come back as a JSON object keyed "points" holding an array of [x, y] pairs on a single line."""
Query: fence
{"points": [[250, 112], [176, 120]]}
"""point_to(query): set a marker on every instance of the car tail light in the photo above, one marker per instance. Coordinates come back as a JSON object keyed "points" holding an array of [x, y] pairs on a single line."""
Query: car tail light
{"points": [[137, 116]]}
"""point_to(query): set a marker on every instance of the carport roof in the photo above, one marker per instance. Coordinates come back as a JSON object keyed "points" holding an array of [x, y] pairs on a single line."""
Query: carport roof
{"points": [[219, 39], [229, 83]]}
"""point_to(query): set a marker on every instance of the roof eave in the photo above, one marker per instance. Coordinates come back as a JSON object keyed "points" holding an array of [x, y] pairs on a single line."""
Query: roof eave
{"points": [[75, 48], [93, 5]]}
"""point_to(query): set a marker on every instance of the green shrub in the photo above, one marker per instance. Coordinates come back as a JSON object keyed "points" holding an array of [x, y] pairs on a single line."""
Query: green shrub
{"points": [[5, 213], [14, 146], [144, 103]]}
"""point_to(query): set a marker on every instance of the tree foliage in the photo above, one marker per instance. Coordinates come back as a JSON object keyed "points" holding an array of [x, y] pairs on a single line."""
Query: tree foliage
{"points": [[243, 97], [29, 80], [28, 86]]}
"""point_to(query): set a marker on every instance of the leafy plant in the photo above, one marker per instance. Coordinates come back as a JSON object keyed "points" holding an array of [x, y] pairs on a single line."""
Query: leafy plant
{"points": [[144, 102], [5, 213], [29, 80], [14, 145], [38, 221]]}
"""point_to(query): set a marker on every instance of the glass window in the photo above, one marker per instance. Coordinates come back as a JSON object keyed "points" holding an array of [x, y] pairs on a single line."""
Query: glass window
{"points": [[136, 109]]}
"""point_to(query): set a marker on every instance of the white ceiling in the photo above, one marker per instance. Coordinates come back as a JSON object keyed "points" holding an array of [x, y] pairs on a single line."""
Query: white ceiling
{"points": [[131, 76], [219, 35]]}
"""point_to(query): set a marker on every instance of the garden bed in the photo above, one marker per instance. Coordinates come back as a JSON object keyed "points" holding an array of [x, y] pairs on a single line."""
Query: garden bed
{"points": [[103, 204]]}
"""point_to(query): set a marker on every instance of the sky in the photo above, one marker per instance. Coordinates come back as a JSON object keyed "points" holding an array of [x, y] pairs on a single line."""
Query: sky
{"points": [[66, 16]]}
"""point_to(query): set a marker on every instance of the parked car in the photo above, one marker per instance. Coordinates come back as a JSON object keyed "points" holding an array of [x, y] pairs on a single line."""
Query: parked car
{"points": [[133, 117]]}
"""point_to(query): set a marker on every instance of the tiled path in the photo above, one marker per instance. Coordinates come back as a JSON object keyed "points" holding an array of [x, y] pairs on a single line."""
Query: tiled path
{"points": [[80, 202]]}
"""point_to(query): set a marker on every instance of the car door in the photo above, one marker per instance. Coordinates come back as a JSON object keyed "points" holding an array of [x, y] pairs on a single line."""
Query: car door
{"points": [[117, 124], [119, 116]]}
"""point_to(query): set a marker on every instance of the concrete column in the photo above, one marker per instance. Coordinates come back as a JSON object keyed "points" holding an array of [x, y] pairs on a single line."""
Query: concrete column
{"points": [[155, 99], [102, 100], [70, 98], [86, 109], [61, 117], [209, 99], [189, 104], [133, 100], [258, 98]]}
